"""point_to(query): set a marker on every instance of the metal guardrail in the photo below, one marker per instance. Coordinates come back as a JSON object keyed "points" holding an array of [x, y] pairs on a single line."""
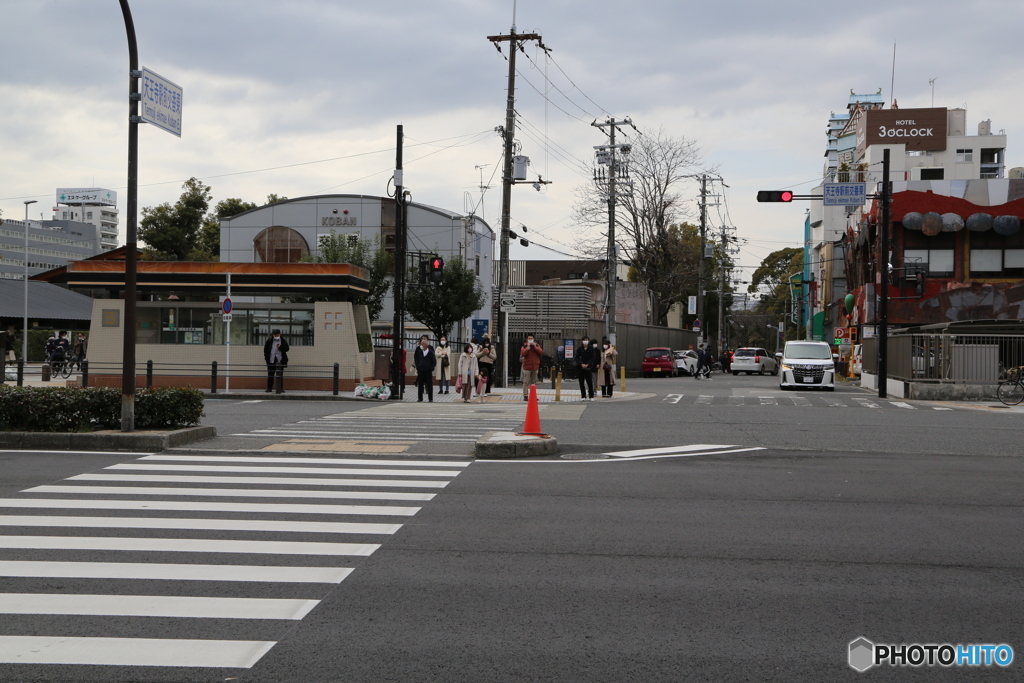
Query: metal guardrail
{"points": [[947, 358]]}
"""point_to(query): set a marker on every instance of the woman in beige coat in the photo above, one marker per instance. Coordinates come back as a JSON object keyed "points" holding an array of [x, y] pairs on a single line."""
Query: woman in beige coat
{"points": [[469, 370], [606, 375], [444, 365]]}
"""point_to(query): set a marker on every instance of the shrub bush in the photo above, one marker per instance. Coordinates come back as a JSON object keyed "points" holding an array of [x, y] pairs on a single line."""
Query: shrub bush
{"points": [[365, 342], [75, 409]]}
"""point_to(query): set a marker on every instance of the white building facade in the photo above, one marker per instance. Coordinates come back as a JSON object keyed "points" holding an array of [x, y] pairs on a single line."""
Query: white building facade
{"points": [[286, 231], [92, 205]]}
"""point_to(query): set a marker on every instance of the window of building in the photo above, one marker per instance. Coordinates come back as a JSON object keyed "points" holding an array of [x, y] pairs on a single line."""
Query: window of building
{"points": [[249, 327], [279, 244], [478, 266], [933, 173], [88, 215], [986, 262], [936, 262], [964, 155]]}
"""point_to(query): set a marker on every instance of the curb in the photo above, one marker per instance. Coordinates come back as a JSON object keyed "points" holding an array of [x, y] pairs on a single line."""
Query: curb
{"points": [[496, 445], [106, 440]]}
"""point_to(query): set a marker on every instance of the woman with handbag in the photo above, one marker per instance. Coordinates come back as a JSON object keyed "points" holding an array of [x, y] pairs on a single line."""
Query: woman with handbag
{"points": [[444, 362], [469, 369], [609, 357]]}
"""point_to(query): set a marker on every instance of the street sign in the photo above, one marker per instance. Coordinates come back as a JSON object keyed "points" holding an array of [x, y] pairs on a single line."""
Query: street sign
{"points": [[844, 194], [508, 304], [692, 305], [161, 102], [480, 327], [842, 333], [227, 317], [226, 305], [696, 324]]}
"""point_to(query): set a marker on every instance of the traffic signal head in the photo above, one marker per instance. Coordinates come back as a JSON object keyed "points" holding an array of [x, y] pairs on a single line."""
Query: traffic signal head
{"points": [[436, 268], [775, 196]]}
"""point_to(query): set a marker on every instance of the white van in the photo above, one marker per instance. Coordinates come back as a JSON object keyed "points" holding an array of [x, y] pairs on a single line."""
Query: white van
{"points": [[806, 365]]}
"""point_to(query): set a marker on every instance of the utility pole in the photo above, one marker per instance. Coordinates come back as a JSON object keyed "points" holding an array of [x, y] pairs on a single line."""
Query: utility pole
{"points": [[617, 172], [883, 301], [131, 242], [515, 42], [721, 284], [398, 326], [700, 264]]}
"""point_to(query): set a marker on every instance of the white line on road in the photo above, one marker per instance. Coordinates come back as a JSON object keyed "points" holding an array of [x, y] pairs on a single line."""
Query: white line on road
{"points": [[900, 404], [834, 402], [768, 401], [234, 654], [203, 506], [173, 572], [185, 545], [228, 493], [284, 470], [672, 398], [866, 403], [939, 408], [263, 525], [801, 401], [297, 481], [311, 461], [174, 606], [669, 449], [355, 436], [705, 400]]}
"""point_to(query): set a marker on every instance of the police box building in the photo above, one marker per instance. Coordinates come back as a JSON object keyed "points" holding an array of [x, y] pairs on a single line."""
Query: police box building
{"points": [[287, 231]]}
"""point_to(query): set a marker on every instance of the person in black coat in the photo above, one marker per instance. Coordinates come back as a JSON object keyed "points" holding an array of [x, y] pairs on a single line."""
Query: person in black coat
{"points": [[275, 352], [588, 360], [425, 361]]}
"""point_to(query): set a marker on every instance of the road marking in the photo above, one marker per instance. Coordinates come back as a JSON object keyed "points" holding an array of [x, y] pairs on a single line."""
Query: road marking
{"points": [[228, 493], [669, 449], [185, 545], [705, 400], [260, 401], [900, 404], [311, 461], [801, 401], [263, 525], [173, 572], [768, 401], [834, 402], [297, 481], [672, 398], [155, 606], [282, 470], [203, 506], [938, 408], [234, 654], [332, 437], [334, 446], [629, 459], [866, 403]]}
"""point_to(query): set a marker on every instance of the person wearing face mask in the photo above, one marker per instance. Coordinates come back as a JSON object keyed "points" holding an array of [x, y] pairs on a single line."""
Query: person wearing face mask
{"points": [[425, 362], [530, 356], [444, 362], [275, 352], [469, 368], [588, 359], [79, 350], [606, 375], [485, 356]]}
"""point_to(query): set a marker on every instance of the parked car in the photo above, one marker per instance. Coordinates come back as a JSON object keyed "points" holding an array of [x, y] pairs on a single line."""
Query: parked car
{"points": [[753, 359], [658, 361], [686, 362], [807, 364], [858, 359]]}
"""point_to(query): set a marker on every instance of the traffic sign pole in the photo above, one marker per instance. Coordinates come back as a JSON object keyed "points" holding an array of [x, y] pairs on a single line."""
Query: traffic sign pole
{"points": [[226, 307]]}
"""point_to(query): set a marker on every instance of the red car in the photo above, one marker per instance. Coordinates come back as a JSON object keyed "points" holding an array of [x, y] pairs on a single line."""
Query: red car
{"points": [[658, 361]]}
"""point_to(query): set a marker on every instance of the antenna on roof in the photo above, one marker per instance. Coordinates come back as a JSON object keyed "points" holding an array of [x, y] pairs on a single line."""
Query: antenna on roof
{"points": [[892, 84]]}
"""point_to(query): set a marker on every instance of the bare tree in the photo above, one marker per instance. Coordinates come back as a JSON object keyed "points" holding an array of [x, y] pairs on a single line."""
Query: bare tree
{"points": [[659, 165]]}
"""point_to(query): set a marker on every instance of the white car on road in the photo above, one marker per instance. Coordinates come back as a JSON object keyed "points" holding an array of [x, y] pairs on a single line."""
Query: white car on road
{"points": [[686, 362], [806, 365], [753, 359]]}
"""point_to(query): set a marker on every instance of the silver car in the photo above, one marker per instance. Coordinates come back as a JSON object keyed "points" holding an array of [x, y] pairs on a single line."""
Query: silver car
{"points": [[686, 362], [807, 364], [753, 359]]}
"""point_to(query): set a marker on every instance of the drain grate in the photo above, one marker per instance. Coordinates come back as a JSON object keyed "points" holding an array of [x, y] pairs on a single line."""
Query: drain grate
{"points": [[585, 456]]}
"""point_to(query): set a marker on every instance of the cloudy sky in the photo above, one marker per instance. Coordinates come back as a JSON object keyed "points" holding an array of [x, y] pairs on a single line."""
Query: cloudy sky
{"points": [[301, 97]]}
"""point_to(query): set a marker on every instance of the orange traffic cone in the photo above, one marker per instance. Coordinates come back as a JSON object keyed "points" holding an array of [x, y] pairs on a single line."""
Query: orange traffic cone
{"points": [[531, 427]]}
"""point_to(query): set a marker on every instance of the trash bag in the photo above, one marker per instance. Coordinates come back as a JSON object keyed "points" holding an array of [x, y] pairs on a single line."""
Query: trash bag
{"points": [[360, 388], [384, 393]]}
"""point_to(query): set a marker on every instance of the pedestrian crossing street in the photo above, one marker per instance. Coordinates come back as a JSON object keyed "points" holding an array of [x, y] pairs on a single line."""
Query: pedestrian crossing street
{"points": [[191, 560], [814, 401], [406, 423]]}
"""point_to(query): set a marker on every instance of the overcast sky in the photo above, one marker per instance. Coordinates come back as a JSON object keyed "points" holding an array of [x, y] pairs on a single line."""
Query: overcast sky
{"points": [[280, 84]]}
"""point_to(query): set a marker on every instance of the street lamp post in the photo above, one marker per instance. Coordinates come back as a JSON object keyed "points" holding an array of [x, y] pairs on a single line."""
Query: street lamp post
{"points": [[24, 320]]}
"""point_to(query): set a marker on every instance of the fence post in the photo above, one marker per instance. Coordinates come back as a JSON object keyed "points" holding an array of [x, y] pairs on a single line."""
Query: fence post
{"points": [[21, 372], [622, 378], [279, 378], [213, 377], [85, 373], [149, 374], [336, 373], [558, 387]]}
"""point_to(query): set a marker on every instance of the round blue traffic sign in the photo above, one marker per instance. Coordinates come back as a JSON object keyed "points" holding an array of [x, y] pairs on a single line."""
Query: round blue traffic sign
{"points": [[226, 306]]}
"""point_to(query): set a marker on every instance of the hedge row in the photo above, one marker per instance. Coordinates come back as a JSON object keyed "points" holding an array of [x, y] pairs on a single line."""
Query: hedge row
{"points": [[72, 409]]}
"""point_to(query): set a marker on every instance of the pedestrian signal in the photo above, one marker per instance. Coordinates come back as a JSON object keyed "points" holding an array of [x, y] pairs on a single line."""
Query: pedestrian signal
{"points": [[436, 269], [775, 196]]}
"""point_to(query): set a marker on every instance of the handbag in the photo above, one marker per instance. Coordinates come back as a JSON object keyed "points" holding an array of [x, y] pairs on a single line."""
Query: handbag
{"points": [[444, 361], [458, 383]]}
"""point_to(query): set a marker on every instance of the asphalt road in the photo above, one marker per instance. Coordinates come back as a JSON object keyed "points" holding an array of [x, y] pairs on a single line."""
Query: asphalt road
{"points": [[897, 523]]}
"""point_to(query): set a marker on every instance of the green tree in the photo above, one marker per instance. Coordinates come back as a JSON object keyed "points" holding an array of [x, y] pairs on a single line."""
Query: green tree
{"points": [[171, 233], [275, 199], [368, 254], [208, 240], [440, 307], [772, 278]]}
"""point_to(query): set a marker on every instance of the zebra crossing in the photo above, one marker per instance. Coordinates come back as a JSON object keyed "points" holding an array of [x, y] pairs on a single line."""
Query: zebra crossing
{"points": [[128, 565], [404, 423], [795, 401]]}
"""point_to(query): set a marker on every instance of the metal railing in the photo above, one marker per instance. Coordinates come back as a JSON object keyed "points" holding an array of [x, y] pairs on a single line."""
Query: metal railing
{"points": [[947, 358]]}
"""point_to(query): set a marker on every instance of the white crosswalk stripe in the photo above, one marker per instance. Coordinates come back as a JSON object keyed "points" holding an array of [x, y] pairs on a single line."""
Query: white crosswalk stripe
{"points": [[141, 513], [800, 401]]}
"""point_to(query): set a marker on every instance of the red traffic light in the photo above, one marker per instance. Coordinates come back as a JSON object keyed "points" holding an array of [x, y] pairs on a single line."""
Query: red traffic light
{"points": [[436, 264], [775, 196], [436, 270]]}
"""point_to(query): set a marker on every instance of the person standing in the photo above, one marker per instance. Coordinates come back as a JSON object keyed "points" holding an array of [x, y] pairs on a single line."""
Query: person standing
{"points": [[425, 361], [530, 357], [444, 363], [275, 353], [588, 359], [702, 359], [80, 349], [609, 359], [485, 356], [469, 368]]}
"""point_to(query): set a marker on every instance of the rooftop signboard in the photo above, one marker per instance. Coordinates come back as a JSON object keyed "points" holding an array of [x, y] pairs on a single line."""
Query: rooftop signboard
{"points": [[918, 129], [86, 195]]}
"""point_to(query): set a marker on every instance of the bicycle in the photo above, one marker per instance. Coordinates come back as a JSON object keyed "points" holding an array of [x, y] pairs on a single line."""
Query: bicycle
{"points": [[61, 367], [1011, 390]]}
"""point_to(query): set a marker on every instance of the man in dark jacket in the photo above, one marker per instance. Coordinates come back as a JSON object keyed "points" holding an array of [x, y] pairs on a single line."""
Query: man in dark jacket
{"points": [[425, 361], [275, 352], [588, 359]]}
